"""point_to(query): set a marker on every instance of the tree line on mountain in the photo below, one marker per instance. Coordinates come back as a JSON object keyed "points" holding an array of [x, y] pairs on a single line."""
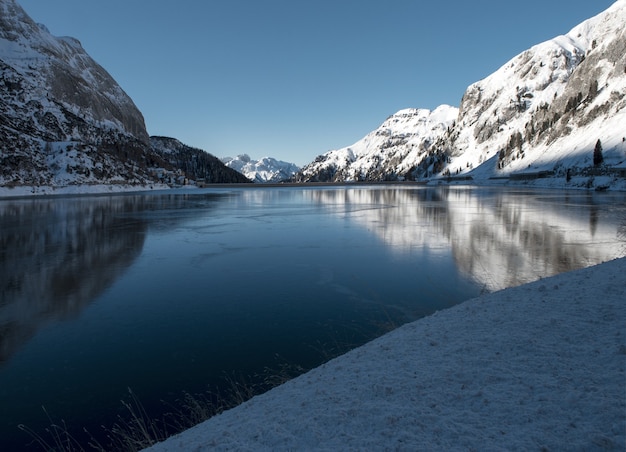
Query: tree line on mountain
{"points": [[196, 164]]}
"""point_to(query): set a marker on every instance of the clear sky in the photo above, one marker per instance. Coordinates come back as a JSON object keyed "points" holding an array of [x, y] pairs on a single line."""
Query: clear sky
{"points": [[292, 79]]}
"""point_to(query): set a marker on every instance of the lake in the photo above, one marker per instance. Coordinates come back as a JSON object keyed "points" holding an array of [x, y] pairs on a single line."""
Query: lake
{"points": [[179, 292]]}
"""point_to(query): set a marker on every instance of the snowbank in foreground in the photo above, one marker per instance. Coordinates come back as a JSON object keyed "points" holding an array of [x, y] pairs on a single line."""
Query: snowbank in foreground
{"points": [[537, 366]]}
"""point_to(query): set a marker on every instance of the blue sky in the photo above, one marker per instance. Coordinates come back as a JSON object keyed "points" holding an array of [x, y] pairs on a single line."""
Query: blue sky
{"points": [[293, 79]]}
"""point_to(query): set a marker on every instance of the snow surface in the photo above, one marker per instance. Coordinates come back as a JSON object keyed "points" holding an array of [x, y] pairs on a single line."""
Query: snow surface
{"points": [[537, 367]]}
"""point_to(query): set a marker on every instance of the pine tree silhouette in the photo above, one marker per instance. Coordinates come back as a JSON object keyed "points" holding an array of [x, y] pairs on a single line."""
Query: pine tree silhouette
{"points": [[597, 154]]}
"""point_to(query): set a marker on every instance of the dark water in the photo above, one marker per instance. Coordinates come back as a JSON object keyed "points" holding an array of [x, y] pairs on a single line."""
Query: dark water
{"points": [[172, 292]]}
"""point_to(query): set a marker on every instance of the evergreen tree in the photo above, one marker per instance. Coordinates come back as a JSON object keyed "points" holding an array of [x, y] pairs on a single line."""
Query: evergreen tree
{"points": [[593, 91], [597, 154]]}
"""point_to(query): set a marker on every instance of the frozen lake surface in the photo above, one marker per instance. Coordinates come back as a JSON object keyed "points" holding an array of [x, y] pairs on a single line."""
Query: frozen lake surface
{"points": [[183, 291]]}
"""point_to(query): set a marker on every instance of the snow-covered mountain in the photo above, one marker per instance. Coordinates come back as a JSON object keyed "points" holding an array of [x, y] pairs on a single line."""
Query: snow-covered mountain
{"points": [[545, 109], [266, 170], [63, 119], [542, 112], [388, 153]]}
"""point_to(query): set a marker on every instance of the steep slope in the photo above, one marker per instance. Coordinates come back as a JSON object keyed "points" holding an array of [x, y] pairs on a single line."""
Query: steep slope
{"points": [[62, 74], [391, 152], [266, 170], [546, 108], [64, 121], [543, 112], [192, 163]]}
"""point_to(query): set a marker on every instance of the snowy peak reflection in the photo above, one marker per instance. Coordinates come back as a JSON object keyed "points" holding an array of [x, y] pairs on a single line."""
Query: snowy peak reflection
{"points": [[514, 238], [56, 256], [500, 238], [406, 220]]}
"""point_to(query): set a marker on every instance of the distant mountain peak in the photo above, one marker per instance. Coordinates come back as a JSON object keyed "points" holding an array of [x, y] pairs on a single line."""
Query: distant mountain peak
{"points": [[265, 170]]}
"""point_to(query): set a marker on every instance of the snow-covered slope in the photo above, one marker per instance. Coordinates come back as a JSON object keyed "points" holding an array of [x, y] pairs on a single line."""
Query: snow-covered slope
{"points": [[56, 73], [267, 169], [547, 107], [64, 121], [544, 110], [390, 152]]}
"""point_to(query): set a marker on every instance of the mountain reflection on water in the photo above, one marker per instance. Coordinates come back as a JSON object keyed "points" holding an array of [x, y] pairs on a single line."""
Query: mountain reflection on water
{"points": [[500, 238], [179, 291], [57, 255]]}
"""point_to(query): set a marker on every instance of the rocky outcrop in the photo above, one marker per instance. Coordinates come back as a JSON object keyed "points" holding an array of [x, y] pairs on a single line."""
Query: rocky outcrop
{"points": [[56, 74], [65, 121], [548, 106]]}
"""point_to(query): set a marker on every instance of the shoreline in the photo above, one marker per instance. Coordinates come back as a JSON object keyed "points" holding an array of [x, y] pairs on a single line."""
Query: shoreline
{"points": [[541, 365], [27, 191]]}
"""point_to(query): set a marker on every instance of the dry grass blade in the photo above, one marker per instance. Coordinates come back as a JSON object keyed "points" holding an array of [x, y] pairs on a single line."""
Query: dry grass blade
{"points": [[59, 437], [138, 432]]}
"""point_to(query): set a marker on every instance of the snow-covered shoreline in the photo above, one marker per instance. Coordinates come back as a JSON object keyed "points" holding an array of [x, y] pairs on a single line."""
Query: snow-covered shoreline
{"points": [[540, 366], [28, 190], [605, 183], [600, 183]]}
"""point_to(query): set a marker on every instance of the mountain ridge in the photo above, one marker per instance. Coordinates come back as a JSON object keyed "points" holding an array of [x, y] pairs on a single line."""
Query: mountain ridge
{"points": [[387, 153], [194, 163], [541, 112], [65, 122], [65, 73], [265, 170]]}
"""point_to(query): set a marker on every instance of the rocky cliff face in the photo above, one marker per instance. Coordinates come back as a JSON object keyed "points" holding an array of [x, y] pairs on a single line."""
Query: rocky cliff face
{"points": [[63, 119], [543, 111], [58, 72]]}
